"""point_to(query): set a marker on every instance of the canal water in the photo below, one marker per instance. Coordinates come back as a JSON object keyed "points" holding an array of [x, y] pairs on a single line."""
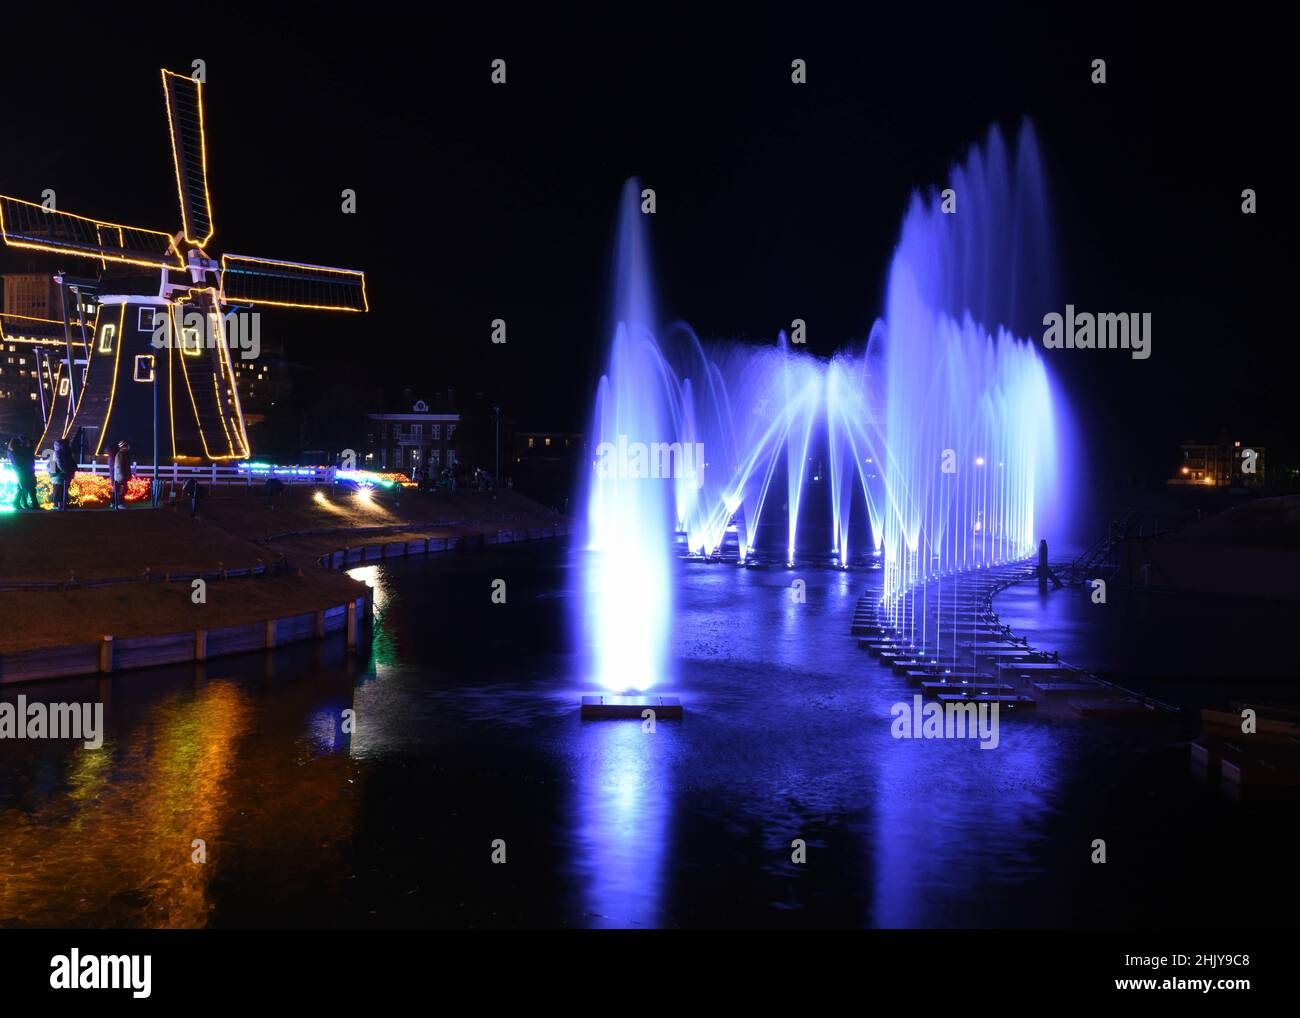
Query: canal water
{"points": [[467, 735]]}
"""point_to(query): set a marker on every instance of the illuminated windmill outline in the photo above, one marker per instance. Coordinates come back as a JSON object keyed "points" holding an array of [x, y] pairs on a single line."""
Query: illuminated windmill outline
{"points": [[202, 400]]}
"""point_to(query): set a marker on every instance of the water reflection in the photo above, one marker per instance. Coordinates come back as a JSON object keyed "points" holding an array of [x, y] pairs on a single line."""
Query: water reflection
{"points": [[119, 843], [384, 646], [622, 819], [241, 780], [957, 826]]}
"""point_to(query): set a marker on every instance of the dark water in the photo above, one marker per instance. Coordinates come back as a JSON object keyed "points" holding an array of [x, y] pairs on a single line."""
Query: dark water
{"points": [[1190, 649], [467, 731]]}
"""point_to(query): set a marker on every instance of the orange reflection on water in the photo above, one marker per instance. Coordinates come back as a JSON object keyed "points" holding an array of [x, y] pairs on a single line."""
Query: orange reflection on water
{"points": [[116, 848]]}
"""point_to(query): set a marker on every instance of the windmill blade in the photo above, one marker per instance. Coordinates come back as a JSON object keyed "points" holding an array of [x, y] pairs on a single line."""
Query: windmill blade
{"points": [[190, 154], [28, 225], [248, 280], [25, 329]]}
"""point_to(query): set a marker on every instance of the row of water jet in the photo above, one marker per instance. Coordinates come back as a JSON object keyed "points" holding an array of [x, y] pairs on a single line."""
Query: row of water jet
{"points": [[941, 427], [970, 413]]}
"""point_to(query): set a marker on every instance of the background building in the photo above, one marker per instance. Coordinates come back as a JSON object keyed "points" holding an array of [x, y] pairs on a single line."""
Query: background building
{"points": [[266, 398], [544, 465], [1220, 465], [24, 296], [29, 295], [421, 438], [33, 294]]}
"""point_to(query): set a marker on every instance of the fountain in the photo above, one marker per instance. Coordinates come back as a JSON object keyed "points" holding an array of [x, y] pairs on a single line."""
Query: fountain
{"points": [[940, 430]]}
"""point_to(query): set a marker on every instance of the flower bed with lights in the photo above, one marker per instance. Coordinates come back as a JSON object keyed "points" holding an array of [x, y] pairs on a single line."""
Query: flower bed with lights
{"points": [[87, 491], [373, 479]]}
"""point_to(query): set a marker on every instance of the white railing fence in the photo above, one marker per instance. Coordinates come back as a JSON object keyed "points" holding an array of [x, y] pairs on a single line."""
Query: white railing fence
{"points": [[221, 473]]}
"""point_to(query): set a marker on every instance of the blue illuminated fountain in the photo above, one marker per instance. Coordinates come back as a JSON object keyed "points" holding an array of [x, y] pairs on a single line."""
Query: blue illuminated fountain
{"points": [[943, 426]]}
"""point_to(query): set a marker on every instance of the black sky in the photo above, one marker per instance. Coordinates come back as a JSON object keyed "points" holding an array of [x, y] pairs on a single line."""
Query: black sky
{"points": [[775, 201]]}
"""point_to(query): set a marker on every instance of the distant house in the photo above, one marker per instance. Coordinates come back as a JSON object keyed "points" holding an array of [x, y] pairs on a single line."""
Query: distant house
{"points": [[1226, 464], [421, 438], [546, 465]]}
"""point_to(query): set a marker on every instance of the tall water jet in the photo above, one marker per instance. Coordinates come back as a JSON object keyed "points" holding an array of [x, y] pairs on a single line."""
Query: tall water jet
{"points": [[628, 593]]}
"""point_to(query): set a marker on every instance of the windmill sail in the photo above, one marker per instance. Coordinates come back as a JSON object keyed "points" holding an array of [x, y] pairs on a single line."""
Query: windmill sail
{"points": [[28, 225], [45, 331], [189, 154], [249, 280]]}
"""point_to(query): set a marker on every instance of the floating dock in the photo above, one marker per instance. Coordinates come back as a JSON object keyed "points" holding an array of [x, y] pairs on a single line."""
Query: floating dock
{"points": [[606, 705], [970, 649]]}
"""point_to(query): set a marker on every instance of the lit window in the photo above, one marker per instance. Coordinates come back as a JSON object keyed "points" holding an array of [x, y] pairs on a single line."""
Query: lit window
{"points": [[106, 336], [191, 342], [144, 367]]}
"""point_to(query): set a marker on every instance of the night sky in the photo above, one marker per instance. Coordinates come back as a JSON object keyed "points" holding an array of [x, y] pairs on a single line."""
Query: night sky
{"points": [[776, 201]]}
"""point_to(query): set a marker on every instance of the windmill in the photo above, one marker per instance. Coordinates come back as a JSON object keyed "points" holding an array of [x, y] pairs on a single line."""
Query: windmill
{"points": [[157, 359]]}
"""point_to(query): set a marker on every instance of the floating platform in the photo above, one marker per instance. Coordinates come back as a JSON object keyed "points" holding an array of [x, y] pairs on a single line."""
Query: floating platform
{"points": [[966, 689], [1013, 654], [618, 706], [929, 655], [1042, 669], [1268, 727], [905, 665], [878, 647], [1275, 770], [919, 675], [1003, 699], [1111, 708]]}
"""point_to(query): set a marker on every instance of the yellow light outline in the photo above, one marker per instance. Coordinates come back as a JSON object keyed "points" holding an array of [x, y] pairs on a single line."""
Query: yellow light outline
{"points": [[198, 422], [365, 300], [215, 316], [112, 392], [195, 406], [70, 412], [33, 318], [6, 337], [216, 388], [100, 255], [53, 399], [171, 381], [176, 161], [198, 342], [90, 356], [228, 372], [228, 375]]}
